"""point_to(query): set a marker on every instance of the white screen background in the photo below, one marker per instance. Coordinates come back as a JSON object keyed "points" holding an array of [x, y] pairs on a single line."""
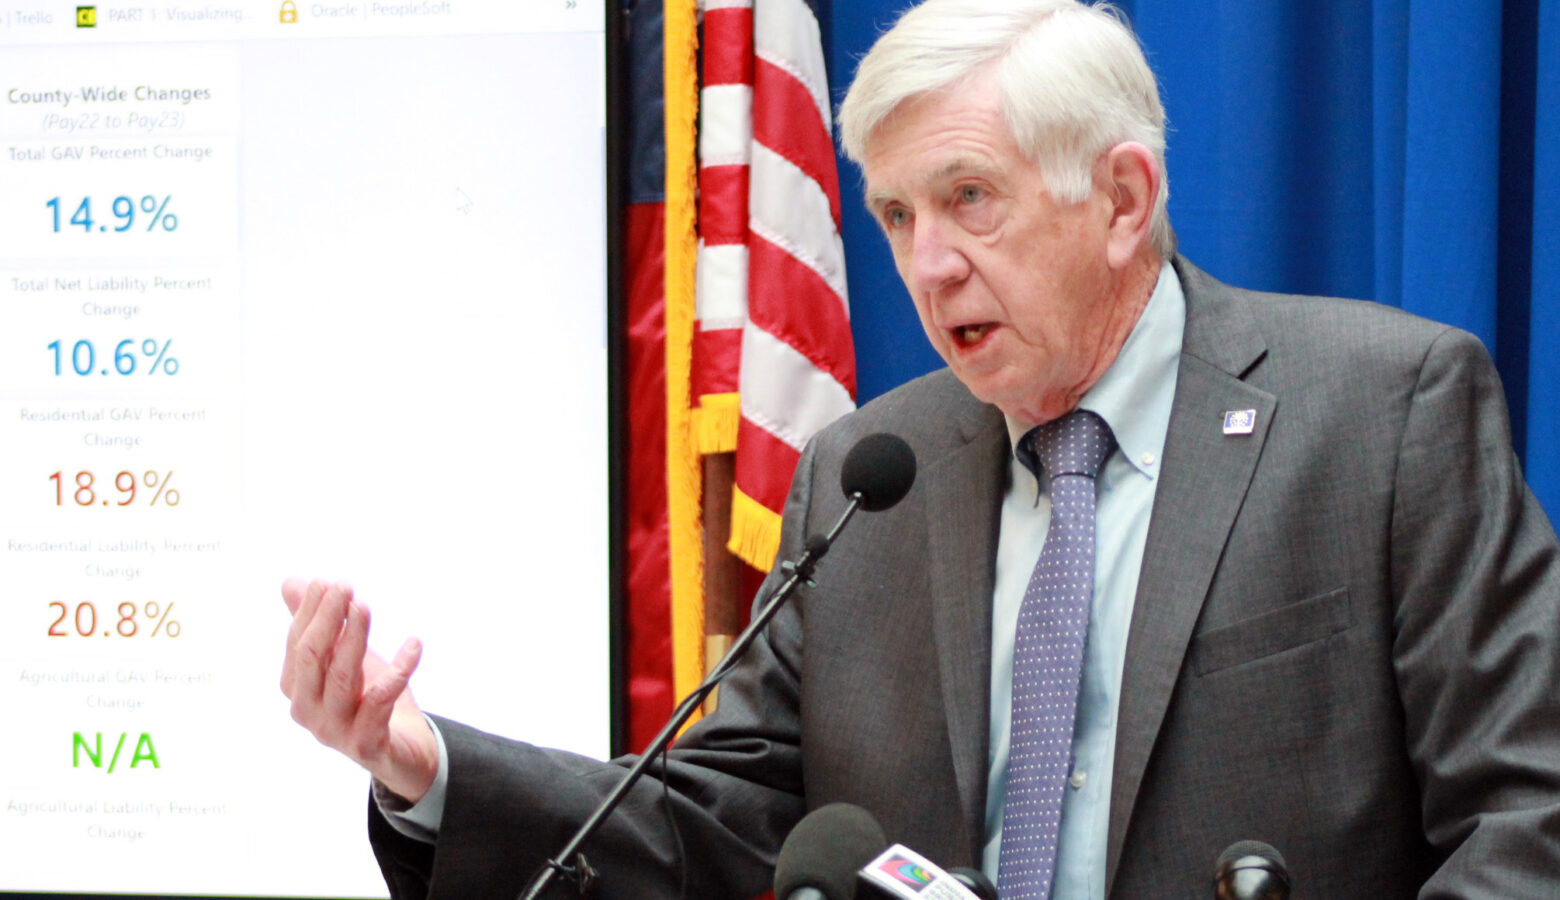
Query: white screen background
{"points": [[395, 348]]}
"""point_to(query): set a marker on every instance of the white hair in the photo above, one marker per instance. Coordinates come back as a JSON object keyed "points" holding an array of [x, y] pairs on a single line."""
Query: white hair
{"points": [[1071, 79]]}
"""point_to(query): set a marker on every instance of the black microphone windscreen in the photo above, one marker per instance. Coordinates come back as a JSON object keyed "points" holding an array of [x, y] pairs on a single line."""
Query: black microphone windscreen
{"points": [[826, 849], [881, 468]]}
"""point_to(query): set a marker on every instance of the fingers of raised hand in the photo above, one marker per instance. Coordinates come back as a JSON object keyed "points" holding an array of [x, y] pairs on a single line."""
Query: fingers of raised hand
{"points": [[292, 593], [316, 644], [303, 600], [342, 689], [317, 627]]}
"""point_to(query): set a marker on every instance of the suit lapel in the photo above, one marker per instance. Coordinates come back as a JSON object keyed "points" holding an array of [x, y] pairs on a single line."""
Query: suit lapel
{"points": [[1203, 483], [962, 514]]}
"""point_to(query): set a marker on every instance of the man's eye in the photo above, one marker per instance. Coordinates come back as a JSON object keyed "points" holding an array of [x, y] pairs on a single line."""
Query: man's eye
{"points": [[896, 217], [969, 193]]}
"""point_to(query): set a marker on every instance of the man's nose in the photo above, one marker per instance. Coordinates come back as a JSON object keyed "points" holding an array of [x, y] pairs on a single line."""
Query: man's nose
{"points": [[935, 260]]}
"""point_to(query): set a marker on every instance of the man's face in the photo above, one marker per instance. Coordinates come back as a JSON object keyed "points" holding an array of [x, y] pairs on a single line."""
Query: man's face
{"points": [[1014, 290]]}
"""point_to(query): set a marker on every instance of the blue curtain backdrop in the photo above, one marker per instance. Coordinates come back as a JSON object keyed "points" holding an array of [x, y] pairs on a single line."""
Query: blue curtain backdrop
{"points": [[1404, 151]]}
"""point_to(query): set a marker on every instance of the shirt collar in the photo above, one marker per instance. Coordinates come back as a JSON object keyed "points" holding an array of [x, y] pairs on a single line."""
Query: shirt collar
{"points": [[1135, 394]]}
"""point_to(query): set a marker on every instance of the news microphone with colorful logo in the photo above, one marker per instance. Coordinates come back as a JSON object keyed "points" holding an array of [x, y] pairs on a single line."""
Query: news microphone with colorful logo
{"points": [[904, 873], [836, 853]]}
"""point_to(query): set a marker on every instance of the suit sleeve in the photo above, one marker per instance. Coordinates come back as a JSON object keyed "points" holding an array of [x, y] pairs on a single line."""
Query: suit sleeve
{"points": [[733, 785], [1477, 635]]}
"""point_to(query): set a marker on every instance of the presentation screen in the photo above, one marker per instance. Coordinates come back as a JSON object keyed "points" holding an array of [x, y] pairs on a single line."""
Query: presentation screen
{"points": [[289, 289]]}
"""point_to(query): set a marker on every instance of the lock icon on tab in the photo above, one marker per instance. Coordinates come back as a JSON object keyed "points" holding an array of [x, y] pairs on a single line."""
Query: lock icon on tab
{"points": [[289, 12]]}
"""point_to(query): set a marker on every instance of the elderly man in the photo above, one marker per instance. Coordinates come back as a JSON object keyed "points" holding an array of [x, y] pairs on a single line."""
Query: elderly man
{"points": [[1184, 564]]}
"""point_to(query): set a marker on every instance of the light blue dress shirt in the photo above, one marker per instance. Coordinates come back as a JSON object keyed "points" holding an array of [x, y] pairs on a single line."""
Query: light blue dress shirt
{"points": [[1133, 397]]}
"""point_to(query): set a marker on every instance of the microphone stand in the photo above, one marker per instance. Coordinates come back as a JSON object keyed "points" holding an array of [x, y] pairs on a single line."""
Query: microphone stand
{"points": [[798, 572]]}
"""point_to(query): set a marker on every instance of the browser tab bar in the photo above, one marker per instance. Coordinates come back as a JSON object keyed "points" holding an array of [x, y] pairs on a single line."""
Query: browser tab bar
{"points": [[291, 19]]}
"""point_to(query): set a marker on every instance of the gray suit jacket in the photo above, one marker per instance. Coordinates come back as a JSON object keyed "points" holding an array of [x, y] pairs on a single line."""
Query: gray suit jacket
{"points": [[1346, 642]]}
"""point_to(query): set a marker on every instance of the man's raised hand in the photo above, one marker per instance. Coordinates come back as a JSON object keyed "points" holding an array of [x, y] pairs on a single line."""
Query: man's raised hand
{"points": [[347, 696]]}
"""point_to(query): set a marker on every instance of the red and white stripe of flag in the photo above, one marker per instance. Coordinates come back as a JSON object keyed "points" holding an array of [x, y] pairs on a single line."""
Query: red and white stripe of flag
{"points": [[772, 304]]}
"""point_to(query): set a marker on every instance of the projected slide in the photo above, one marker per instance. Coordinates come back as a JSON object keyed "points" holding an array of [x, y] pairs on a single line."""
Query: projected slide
{"points": [[316, 291]]}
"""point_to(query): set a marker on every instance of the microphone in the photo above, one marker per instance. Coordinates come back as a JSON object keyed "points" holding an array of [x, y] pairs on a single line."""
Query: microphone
{"points": [[820, 858], [876, 474], [1250, 870], [902, 873], [835, 848], [880, 468]]}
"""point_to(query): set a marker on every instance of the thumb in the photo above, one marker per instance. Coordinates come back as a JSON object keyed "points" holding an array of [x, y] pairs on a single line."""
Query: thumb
{"points": [[389, 683]]}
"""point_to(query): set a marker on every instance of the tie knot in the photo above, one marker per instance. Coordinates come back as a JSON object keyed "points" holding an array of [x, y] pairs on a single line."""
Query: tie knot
{"points": [[1076, 444]]}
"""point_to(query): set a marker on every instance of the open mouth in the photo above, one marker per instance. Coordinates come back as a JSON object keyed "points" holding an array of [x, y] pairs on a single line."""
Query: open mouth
{"points": [[970, 335]]}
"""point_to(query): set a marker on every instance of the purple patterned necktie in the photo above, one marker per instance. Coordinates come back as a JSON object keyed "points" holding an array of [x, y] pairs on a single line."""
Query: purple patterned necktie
{"points": [[1053, 622]]}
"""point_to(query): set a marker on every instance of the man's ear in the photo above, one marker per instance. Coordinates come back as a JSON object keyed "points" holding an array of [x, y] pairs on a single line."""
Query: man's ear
{"points": [[1132, 177]]}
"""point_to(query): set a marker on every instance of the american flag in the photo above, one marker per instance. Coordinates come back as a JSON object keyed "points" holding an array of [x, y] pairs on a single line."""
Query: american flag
{"points": [[773, 360]]}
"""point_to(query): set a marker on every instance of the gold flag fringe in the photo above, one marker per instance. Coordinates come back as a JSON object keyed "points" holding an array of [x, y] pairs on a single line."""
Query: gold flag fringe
{"points": [[755, 531], [683, 475], [715, 422]]}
